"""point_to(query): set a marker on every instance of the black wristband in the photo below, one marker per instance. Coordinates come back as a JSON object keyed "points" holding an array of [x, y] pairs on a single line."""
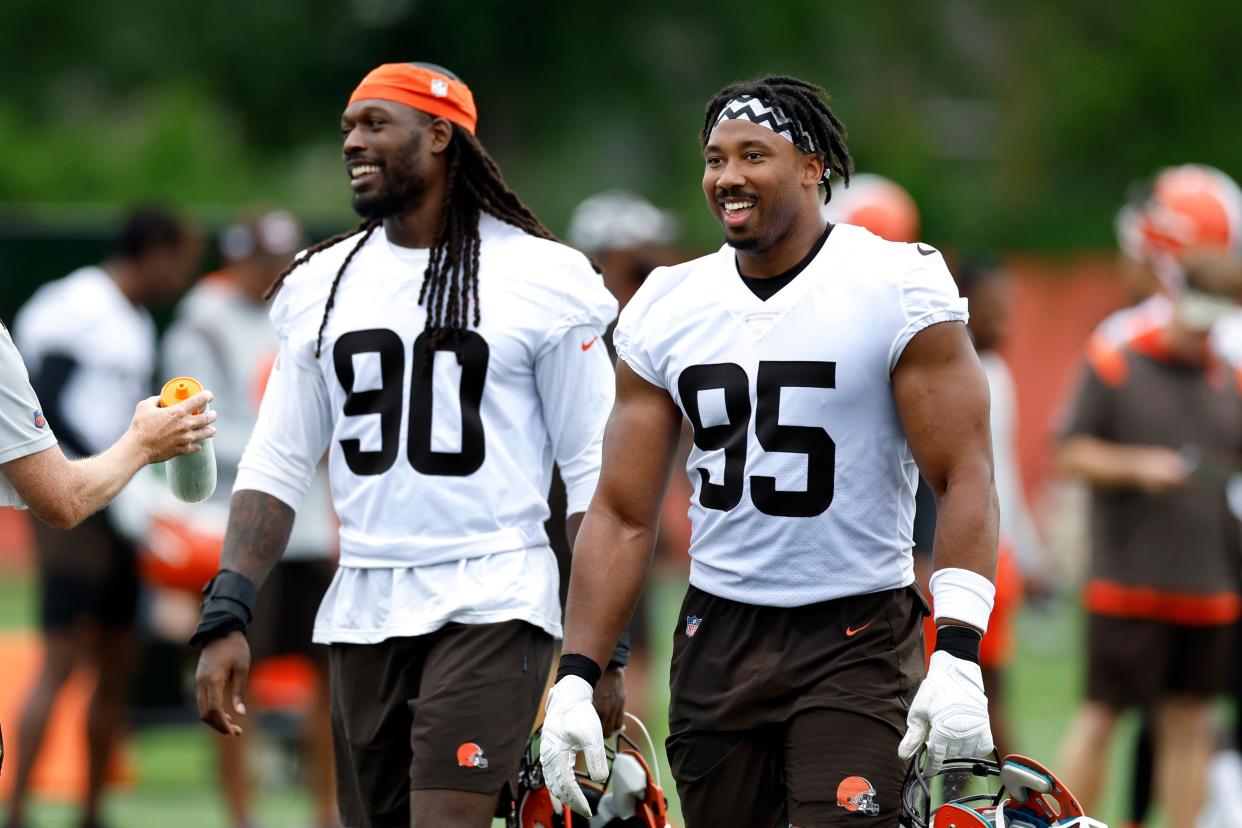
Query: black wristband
{"points": [[959, 642], [576, 664], [228, 606], [621, 652]]}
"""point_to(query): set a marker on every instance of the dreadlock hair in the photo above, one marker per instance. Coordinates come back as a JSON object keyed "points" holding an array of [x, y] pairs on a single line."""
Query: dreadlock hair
{"points": [[804, 102], [450, 290]]}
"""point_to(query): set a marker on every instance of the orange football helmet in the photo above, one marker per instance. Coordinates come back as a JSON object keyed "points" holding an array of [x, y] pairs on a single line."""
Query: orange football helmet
{"points": [[1182, 208], [631, 796], [877, 204], [1016, 792]]}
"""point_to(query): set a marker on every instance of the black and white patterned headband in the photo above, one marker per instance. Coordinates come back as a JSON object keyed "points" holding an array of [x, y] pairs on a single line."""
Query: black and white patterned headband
{"points": [[750, 108]]}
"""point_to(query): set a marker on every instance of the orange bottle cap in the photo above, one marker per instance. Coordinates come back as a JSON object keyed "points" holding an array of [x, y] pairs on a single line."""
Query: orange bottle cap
{"points": [[178, 389]]}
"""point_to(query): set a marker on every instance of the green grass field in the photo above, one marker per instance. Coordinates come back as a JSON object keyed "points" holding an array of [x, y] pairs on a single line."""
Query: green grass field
{"points": [[176, 772]]}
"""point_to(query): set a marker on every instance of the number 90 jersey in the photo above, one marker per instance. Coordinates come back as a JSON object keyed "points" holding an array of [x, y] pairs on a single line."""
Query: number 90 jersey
{"points": [[804, 484], [440, 455]]}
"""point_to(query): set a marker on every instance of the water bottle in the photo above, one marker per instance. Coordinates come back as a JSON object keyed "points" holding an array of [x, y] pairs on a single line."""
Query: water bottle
{"points": [[192, 477]]}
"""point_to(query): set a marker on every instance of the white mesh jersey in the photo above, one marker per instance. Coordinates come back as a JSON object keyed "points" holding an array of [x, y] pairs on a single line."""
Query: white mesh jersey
{"points": [[804, 484], [434, 457]]}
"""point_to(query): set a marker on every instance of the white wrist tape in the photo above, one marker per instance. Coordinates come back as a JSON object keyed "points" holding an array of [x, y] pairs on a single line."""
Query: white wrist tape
{"points": [[963, 596]]}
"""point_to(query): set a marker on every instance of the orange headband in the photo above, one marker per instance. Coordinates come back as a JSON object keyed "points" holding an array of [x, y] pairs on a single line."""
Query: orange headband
{"points": [[421, 88]]}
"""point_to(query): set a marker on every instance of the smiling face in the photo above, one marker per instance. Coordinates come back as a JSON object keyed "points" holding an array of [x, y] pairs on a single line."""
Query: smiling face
{"points": [[385, 156], [758, 185]]}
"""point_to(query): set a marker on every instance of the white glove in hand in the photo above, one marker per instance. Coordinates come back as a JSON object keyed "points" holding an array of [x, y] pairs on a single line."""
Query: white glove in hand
{"points": [[571, 725], [951, 705]]}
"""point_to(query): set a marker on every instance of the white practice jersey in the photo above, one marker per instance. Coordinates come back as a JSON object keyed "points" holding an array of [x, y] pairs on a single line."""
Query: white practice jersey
{"points": [[437, 461], [23, 428], [86, 322], [804, 484]]}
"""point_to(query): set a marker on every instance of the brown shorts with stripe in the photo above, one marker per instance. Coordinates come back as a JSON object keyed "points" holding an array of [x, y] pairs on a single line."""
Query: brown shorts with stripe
{"points": [[1139, 661], [783, 715], [452, 709]]}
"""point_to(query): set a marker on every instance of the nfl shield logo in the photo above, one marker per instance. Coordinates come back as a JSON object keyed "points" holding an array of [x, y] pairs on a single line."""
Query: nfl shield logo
{"points": [[692, 625], [439, 88], [38, 418]]}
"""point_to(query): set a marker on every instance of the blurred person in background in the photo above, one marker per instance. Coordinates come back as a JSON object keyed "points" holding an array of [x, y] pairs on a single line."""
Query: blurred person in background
{"points": [[221, 335], [1154, 422], [1176, 210], [445, 354], [90, 343], [628, 237], [35, 474]]}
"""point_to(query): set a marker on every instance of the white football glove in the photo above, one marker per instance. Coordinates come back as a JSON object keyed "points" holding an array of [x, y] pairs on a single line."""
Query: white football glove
{"points": [[951, 705], [571, 725]]}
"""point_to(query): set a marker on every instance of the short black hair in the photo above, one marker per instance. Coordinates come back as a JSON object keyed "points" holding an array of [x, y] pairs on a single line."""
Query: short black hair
{"points": [[148, 227], [804, 102]]}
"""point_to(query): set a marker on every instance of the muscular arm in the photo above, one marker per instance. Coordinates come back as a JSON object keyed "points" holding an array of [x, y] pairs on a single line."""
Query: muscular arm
{"points": [[62, 493], [573, 525], [942, 399], [258, 531], [614, 547]]}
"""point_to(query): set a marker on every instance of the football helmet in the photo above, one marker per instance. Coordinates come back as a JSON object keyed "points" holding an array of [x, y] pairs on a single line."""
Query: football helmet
{"points": [[1180, 209], [631, 797], [179, 552], [877, 204], [1014, 792]]}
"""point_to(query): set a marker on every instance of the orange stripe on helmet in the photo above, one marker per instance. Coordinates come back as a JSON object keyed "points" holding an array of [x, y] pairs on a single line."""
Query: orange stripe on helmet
{"points": [[423, 89]]}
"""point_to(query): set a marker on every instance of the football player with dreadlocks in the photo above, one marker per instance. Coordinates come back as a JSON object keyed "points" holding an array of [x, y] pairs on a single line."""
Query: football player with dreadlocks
{"points": [[444, 354], [820, 367]]}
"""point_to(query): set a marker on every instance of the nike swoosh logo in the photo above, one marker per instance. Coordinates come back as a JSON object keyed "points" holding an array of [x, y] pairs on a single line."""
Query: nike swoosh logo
{"points": [[586, 346], [850, 632], [924, 251]]}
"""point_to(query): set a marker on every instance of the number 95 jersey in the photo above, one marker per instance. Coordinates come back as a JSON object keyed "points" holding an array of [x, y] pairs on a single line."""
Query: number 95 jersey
{"points": [[446, 454], [804, 484]]}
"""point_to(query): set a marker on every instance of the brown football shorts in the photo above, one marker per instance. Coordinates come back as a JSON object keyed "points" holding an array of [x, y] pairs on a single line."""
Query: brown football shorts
{"points": [[1138, 661], [452, 709], [783, 715]]}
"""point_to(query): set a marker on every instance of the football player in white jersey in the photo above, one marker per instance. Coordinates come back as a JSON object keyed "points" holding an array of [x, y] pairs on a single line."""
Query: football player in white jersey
{"points": [[444, 354], [821, 368]]}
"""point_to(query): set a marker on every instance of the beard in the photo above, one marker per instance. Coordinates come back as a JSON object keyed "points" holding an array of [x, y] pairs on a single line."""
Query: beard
{"points": [[404, 187]]}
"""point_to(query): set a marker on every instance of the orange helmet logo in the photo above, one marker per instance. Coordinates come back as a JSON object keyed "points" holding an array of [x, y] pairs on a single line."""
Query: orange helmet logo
{"points": [[856, 794], [470, 755]]}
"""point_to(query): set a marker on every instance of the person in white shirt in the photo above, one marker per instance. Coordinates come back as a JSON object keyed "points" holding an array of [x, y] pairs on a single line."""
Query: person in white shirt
{"points": [[90, 343], [221, 336], [444, 354], [36, 474], [821, 368]]}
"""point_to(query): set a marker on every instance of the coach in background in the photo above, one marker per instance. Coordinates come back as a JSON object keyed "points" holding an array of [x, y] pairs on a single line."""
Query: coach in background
{"points": [[90, 344], [1155, 430]]}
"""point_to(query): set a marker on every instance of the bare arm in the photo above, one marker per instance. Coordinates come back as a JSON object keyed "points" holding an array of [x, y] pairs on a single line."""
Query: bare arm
{"points": [[63, 493], [942, 399], [613, 549], [257, 534], [1115, 465]]}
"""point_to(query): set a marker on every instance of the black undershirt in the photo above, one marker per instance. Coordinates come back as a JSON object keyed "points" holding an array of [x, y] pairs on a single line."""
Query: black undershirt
{"points": [[765, 287]]}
